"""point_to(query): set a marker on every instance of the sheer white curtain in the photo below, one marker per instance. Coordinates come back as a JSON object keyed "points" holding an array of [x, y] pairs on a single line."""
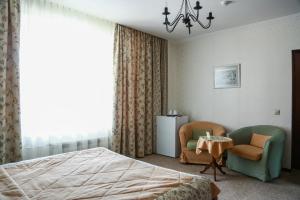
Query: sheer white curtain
{"points": [[66, 79]]}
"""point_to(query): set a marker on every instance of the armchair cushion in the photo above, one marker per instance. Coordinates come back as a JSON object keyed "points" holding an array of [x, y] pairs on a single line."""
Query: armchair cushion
{"points": [[191, 145], [200, 132], [259, 140], [247, 151]]}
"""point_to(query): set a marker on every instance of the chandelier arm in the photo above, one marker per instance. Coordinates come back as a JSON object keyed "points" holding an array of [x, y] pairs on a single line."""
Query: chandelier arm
{"points": [[186, 8], [196, 20], [200, 23], [192, 10], [178, 14], [175, 24]]}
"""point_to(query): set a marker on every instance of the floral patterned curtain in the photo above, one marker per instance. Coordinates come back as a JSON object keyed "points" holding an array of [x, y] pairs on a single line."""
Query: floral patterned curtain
{"points": [[140, 62], [10, 140]]}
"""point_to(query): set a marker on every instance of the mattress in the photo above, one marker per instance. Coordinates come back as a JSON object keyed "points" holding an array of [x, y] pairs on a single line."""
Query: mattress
{"points": [[98, 174]]}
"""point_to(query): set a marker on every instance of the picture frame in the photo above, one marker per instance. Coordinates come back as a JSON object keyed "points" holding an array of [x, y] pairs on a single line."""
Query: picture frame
{"points": [[228, 76]]}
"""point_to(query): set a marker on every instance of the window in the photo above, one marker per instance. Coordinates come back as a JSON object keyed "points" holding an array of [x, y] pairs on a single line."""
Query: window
{"points": [[66, 79]]}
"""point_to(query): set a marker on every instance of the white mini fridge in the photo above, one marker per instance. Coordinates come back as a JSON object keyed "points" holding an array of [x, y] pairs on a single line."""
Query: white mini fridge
{"points": [[167, 139]]}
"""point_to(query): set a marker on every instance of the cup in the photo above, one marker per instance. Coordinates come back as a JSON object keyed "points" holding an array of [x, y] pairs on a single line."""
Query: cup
{"points": [[208, 135]]}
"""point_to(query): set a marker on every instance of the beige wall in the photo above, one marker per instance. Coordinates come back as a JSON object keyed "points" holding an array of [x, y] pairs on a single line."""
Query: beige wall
{"points": [[172, 74], [264, 51]]}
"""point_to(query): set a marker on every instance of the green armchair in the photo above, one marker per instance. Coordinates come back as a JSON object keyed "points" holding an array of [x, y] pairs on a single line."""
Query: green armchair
{"points": [[268, 166]]}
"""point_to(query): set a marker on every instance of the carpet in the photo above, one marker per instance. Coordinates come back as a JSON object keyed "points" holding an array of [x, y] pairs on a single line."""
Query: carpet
{"points": [[235, 186]]}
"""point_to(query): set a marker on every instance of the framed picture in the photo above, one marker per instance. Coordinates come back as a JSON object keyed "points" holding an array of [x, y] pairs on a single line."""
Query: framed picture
{"points": [[228, 76]]}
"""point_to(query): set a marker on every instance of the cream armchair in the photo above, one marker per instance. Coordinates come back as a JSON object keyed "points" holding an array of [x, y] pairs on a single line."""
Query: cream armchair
{"points": [[189, 134]]}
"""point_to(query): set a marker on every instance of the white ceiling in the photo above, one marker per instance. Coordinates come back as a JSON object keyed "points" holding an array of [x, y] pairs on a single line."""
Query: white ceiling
{"points": [[146, 15]]}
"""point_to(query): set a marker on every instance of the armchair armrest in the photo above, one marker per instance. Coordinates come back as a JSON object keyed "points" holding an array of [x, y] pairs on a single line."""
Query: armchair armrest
{"points": [[265, 155], [185, 134], [275, 153]]}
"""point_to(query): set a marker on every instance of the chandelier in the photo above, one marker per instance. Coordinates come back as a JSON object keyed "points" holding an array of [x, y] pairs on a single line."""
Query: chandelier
{"points": [[186, 12]]}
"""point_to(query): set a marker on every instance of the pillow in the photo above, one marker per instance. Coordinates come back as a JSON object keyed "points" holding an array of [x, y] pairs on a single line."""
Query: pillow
{"points": [[259, 140], [200, 132]]}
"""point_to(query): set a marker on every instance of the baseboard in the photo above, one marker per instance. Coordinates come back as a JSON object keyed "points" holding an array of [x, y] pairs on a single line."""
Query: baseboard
{"points": [[286, 170]]}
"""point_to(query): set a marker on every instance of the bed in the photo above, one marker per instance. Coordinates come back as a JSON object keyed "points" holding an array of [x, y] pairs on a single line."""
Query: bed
{"points": [[98, 174]]}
